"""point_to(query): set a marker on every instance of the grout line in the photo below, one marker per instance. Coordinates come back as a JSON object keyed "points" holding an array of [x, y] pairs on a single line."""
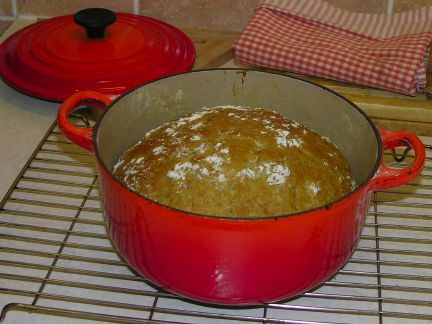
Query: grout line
{"points": [[14, 8], [390, 5], [136, 6], [27, 16], [7, 18]]}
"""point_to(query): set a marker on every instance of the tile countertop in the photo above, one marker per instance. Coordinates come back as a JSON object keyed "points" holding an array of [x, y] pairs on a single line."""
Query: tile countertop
{"points": [[23, 123]]}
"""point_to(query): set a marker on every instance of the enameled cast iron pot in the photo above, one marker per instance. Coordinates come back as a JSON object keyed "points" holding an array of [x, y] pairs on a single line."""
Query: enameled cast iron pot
{"points": [[237, 261]]}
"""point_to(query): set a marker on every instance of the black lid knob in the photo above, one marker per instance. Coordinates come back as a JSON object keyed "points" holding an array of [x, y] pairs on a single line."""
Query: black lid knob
{"points": [[95, 20]]}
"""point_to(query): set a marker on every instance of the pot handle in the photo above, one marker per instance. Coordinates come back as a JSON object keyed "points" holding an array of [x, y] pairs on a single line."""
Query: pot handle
{"points": [[387, 177], [80, 136]]}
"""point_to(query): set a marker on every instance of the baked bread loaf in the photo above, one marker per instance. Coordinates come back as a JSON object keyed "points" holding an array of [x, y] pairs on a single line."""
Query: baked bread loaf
{"points": [[236, 162]]}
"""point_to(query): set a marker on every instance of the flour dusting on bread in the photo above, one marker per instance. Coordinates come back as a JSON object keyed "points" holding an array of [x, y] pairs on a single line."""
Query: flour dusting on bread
{"points": [[236, 162]]}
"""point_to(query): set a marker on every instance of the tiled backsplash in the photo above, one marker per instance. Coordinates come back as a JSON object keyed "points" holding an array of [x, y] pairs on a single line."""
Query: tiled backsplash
{"points": [[204, 14]]}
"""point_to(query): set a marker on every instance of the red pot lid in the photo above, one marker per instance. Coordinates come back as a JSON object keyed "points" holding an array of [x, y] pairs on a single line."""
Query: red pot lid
{"points": [[99, 51]]}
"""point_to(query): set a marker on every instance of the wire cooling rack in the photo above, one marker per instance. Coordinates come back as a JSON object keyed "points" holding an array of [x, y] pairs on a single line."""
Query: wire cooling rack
{"points": [[56, 257]]}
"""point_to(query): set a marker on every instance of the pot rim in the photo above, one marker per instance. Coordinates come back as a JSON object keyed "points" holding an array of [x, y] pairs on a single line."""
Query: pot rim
{"points": [[230, 218]]}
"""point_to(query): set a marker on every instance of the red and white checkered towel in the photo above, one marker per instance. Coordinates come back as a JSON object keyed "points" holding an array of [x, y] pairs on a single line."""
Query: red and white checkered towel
{"points": [[312, 37]]}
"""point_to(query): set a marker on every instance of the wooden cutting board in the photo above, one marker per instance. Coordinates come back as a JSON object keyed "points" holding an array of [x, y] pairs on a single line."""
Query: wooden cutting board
{"points": [[388, 110]]}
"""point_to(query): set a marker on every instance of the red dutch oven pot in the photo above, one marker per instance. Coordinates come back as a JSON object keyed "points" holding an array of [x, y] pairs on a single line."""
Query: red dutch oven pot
{"points": [[240, 261]]}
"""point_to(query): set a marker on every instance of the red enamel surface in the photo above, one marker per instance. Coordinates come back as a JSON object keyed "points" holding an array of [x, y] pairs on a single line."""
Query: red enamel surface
{"points": [[234, 261], [386, 177], [54, 58], [80, 136], [231, 261]]}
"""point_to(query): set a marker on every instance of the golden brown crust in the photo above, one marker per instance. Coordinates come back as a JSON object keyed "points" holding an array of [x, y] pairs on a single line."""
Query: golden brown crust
{"points": [[237, 162]]}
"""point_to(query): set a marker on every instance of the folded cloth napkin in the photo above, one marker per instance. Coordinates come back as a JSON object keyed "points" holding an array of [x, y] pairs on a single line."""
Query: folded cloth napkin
{"points": [[315, 38]]}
